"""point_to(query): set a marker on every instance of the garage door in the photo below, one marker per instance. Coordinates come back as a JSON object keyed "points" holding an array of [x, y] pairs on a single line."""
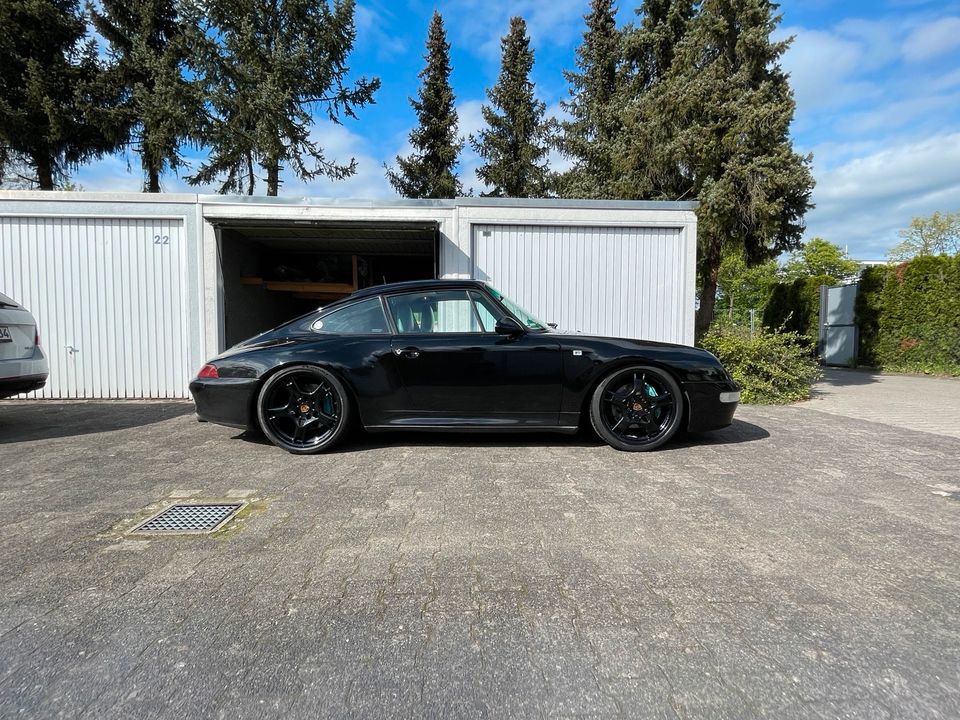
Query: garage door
{"points": [[109, 296], [615, 281]]}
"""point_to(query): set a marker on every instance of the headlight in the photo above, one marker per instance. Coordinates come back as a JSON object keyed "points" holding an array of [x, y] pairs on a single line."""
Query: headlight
{"points": [[730, 397]]}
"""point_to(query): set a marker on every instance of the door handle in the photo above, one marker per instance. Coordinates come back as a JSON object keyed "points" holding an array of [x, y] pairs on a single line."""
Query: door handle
{"points": [[407, 352]]}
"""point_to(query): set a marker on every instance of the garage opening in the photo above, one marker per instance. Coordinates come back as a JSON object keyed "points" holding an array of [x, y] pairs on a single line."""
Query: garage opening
{"points": [[272, 272]]}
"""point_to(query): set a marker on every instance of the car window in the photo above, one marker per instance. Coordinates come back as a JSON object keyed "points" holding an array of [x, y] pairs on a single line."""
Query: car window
{"points": [[486, 311], [364, 317], [442, 311]]}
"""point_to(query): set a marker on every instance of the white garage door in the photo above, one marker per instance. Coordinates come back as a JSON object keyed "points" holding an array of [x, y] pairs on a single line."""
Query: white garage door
{"points": [[110, 299], [614, 281]]}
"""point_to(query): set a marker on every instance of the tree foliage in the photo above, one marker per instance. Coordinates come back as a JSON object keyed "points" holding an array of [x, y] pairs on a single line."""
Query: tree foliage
{"points": [[819, 257], [514, 144], [48, 86], [429, 171], [743, 288], [266, 67], [589, 137], [715, 126], [156, 110], [938, 234]]}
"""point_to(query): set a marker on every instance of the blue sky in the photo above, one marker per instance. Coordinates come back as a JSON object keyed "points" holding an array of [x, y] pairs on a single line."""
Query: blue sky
{"points": [[877, 87]]}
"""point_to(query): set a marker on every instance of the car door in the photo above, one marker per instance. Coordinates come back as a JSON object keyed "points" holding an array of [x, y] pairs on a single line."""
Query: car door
{"points": [[457, 371]]}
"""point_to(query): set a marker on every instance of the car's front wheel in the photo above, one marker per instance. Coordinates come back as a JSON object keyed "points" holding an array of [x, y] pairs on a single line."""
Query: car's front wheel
{"points": [[636, 408], [303, 409]]}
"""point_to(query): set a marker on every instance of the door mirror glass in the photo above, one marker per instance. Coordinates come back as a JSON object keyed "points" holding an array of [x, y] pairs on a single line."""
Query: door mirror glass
{"points": [[509, 326]]}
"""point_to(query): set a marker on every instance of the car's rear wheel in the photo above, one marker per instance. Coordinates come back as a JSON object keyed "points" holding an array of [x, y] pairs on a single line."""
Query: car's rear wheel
{"points": [[303, 409], [636, 408]]}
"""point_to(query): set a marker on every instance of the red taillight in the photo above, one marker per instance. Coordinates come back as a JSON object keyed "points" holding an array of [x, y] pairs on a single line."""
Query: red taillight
{"points": [[36, 338], [208, 371]]}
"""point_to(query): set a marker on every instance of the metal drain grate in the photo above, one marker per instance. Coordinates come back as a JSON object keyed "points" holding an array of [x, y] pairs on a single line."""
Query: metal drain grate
{"points": [[182, 518]]}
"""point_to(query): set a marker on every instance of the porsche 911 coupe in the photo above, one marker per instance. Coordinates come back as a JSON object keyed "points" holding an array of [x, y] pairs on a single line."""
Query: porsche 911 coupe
{"points": [[456, 355]]}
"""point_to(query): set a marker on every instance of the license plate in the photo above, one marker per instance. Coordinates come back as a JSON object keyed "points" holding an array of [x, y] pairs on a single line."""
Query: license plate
{"points": [[5, 335]]}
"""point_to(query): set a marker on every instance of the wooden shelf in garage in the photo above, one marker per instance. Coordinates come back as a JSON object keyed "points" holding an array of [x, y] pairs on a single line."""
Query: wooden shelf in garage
{"points": [[308, 290]]}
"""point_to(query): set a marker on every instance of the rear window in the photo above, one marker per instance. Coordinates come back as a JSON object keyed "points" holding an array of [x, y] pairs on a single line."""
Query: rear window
{"points": [[363, 318]]}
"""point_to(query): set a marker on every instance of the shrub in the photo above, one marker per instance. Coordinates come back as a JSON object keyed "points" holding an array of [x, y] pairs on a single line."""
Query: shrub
{"points": [[771, 367]]}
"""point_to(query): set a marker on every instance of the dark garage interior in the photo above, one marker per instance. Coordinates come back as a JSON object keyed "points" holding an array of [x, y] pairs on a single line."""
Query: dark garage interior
{"points": [[272, 272]]}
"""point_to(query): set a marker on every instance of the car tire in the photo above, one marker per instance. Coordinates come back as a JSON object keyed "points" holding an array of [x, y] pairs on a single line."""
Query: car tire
{"points": [[636, 408], [303, 409]]}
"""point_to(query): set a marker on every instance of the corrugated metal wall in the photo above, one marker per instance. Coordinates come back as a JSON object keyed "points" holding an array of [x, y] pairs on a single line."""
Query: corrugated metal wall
{"points": [[618, 281], [110, 296]]}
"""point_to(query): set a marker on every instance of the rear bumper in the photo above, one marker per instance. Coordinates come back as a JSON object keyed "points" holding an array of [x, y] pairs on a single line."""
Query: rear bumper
{"points": [[225, 401], [709, 405], [23, 374], [14, 386]]}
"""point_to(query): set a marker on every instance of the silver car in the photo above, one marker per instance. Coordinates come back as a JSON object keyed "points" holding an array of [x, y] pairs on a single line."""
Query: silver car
{"points": [[23, 366]]}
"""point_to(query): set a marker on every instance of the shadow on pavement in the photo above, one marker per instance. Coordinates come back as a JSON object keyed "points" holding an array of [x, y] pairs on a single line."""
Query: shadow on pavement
{"points": [[845, 377], [358, 440], [23, 421]]}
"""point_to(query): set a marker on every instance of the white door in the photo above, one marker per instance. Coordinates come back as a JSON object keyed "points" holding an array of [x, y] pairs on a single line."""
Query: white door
{"points": [[109, 296], [615, 281]]}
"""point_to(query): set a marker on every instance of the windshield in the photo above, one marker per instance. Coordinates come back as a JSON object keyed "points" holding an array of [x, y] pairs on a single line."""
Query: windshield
{"points": [[522, 315]]}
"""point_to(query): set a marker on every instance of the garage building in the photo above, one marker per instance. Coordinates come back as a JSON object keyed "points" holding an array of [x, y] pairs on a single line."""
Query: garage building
{"points": [[133, 292]]}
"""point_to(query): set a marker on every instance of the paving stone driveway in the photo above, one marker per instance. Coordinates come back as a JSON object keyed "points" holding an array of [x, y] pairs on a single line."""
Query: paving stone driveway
{"points": [[800, 564]]}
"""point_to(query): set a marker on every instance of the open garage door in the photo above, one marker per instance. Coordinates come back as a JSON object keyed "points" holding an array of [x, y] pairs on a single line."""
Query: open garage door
{"points": [[614, 281], [273, 271]]}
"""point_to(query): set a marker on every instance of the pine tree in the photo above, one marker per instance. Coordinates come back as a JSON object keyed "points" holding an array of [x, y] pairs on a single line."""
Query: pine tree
{"points": [[514, 145], [48, 83], [644, 167], [589, 136], [267, 66], [428, 172], [720, 115], [157, 109]]}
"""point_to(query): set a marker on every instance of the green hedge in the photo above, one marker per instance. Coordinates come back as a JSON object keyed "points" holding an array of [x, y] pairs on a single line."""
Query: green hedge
{"points": [[771, 367], [909, 316], [795, 307]]}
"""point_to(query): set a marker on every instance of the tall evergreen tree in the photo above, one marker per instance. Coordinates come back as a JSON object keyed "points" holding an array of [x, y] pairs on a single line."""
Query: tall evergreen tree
{"points": [[48, 82], [721, 114], [589, 135], [428, 172], [514, 145], [157, 109], [268, 65], [645, 166]]}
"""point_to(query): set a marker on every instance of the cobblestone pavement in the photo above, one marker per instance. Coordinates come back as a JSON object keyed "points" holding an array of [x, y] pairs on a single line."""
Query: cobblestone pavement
{"points": [[913, 402], [799, 564]]}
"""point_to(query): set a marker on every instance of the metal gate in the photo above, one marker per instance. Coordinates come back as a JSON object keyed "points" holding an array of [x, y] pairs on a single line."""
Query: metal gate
{"points": [[110, 299], [615, 281], [838, 330]]}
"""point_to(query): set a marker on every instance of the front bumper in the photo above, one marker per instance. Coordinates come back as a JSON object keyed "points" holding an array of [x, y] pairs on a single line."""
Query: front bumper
{"points": [[712, 404], [225, 401]]}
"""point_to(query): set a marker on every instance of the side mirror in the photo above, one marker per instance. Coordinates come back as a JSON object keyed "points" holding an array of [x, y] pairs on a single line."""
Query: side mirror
{"points": [[553, 325], [509, 326]]}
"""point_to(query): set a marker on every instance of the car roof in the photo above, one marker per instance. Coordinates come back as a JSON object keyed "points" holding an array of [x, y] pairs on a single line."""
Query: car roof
{"points": [[408, 286]]}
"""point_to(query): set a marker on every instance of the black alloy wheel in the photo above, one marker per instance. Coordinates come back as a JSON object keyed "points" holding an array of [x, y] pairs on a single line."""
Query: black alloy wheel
{"points": [[637, 408], [303, 409]]}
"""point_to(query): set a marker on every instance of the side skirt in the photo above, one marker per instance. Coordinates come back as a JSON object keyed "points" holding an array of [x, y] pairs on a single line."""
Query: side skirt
{"points": [[452, 428]]}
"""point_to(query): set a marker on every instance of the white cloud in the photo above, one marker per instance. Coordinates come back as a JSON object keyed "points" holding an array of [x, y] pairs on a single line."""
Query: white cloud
{"points": [[371, 24], [864, 201], [824, 69], [479, 24], [932, 39]]}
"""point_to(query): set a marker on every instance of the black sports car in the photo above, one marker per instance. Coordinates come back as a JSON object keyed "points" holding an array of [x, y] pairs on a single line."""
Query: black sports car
{"points": [[456, 355]]}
